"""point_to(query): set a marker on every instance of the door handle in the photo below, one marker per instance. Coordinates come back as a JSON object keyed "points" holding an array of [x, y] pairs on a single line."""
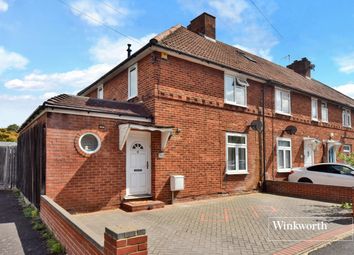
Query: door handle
{"points": [[138, 170], [147, 164]]}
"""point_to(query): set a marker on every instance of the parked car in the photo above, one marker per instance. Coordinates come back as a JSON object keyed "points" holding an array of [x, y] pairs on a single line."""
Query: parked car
{"points": [[327, 174]]}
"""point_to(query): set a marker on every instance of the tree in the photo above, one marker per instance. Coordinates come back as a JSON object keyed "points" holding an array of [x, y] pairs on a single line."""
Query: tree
{"points": [[347, 158], [13, 127]]}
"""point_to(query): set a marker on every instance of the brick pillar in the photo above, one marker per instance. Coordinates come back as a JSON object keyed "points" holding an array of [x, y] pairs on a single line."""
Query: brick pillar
{"points": [[124, 241]]}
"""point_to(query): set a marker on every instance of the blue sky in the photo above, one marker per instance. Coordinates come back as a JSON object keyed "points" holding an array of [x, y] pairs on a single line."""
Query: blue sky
{"points": [[61, 46]]}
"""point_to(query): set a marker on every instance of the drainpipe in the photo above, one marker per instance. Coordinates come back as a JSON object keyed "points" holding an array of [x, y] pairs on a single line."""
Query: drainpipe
{"points": [[264, 141]]}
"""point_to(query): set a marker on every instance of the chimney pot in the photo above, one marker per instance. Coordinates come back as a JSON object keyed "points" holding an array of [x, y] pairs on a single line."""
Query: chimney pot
{"points": [[204, 24], [302, 67]]}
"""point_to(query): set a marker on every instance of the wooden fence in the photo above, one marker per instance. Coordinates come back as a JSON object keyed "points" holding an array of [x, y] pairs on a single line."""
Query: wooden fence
{"points": [[7, 165]]}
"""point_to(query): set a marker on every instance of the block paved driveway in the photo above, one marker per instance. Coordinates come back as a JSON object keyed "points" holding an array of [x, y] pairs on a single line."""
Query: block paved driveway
{"points": [[229, 225]]}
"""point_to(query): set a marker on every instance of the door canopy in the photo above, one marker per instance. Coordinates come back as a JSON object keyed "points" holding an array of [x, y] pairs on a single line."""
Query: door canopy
{"points": [[313, 142], [124, 129]]}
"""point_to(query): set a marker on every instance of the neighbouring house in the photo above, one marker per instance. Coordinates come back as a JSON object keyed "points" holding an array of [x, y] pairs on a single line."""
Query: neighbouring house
{"points": [[184, 104]]}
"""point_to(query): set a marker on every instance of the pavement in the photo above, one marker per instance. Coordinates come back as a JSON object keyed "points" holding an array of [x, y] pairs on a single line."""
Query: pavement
{"points": [[242, 224], [342, 247], [16, 234]]}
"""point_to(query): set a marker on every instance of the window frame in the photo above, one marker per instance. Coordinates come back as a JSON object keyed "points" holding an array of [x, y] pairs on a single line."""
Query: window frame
{"points": [[98, 143], [314, 100], [239, 82], [344, 112], [322, 108], [281, 90], [228, 145], [100, 87], [130, 96], [284, 170], [345, 150]]}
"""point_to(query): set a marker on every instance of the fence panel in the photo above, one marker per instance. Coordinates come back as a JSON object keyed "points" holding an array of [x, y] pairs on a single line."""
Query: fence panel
{"points": [[7, 165]]}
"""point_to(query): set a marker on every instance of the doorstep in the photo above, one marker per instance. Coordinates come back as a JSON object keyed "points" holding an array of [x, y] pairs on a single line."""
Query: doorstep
{"points": [[141, 205]]}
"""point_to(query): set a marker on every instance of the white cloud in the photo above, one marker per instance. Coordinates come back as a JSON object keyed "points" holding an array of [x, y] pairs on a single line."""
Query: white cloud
{"points": [[106, 53], [6, 97], [4, 6], [11, 60], [244, 23], [346, 63], [114, 51], [347, 89], [48, 81], [99, 13]]}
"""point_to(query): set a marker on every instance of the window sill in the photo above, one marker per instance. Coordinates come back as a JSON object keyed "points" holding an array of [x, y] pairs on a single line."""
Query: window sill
{"points": [[325, 122], [347, 127], [236, 172], [315, 120], [132, 97], [283, 113], [234, 104], [283, 170]]}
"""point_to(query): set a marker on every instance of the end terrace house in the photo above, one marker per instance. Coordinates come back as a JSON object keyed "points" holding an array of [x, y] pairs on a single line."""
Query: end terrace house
{"points": [[184, 104]]}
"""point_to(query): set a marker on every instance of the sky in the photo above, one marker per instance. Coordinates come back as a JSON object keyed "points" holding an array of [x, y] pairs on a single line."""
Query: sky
{"points": [[61, 46]]}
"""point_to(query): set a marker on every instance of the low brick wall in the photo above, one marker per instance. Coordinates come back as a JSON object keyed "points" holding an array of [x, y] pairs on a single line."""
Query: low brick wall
{"points": [[74, 238], [326, 193], [77, 238]]}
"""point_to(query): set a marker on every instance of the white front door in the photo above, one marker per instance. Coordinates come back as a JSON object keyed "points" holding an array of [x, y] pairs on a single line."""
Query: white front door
{"points": [[308, 154], [138, 174]]}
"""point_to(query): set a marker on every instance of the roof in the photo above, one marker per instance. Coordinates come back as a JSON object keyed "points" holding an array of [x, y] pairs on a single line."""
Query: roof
{"points": [[80, 103], [180, 39]]}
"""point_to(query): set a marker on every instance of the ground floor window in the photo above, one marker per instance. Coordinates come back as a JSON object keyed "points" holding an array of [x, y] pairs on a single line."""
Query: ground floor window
{"points": [[236, 153], [347, 148], [284, 154]]}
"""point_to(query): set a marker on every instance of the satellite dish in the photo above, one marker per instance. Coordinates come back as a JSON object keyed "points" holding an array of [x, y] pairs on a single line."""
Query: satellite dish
{"points": [[257, 125], [291, 130]]}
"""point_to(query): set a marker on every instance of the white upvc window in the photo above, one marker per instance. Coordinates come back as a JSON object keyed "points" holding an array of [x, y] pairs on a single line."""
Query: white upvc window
{"points": [[324, 112], [132, 81], [347, 148], [236, 153], [282, 101], [347, 119], [284, 154], [100, 92], [314, 109], [235, 90]]}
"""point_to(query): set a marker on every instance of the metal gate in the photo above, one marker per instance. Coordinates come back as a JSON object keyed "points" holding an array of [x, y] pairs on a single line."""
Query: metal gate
{"points": [[7, 165]]}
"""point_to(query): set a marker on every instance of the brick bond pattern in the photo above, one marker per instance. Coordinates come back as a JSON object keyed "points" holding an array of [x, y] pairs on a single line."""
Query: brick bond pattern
{"points": [[232, 225], [326, 193]]}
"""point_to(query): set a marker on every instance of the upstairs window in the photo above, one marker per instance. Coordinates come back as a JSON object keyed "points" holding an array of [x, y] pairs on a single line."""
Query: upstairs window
{"points": [[282, 101], [347, 120], [132, 81], [236, 153], [235, 90], [100, 92], [314, 109], [284, 154], [324, 112]]}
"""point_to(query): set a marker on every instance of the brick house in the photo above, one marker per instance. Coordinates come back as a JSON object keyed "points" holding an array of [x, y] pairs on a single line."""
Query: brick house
{"points": [[183, 104]]}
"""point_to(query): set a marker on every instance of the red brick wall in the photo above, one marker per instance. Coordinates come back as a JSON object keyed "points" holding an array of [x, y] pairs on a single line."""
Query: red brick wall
{"points": [[326, 193], [80, 183], [68, 235]]}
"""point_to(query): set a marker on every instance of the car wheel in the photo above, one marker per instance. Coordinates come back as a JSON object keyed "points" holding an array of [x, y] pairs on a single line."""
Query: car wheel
{"points": [[307, 180]]}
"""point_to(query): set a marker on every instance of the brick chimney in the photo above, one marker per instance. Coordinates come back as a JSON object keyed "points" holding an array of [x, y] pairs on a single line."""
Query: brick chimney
{"points": [[302, 67], [204, 24]]}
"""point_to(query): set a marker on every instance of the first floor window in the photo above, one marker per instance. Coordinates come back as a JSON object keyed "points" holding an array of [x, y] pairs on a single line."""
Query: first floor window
{"points": [[324, 112], [282, 101], [236, 153], [132, 81], [314, 109], [284, 154], [235, 90], [100, 92], [347, 122]]}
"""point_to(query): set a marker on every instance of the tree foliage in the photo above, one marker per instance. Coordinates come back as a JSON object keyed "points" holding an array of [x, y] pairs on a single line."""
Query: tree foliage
{"points": [[7, 136], [347, 158], [13, 127]]}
